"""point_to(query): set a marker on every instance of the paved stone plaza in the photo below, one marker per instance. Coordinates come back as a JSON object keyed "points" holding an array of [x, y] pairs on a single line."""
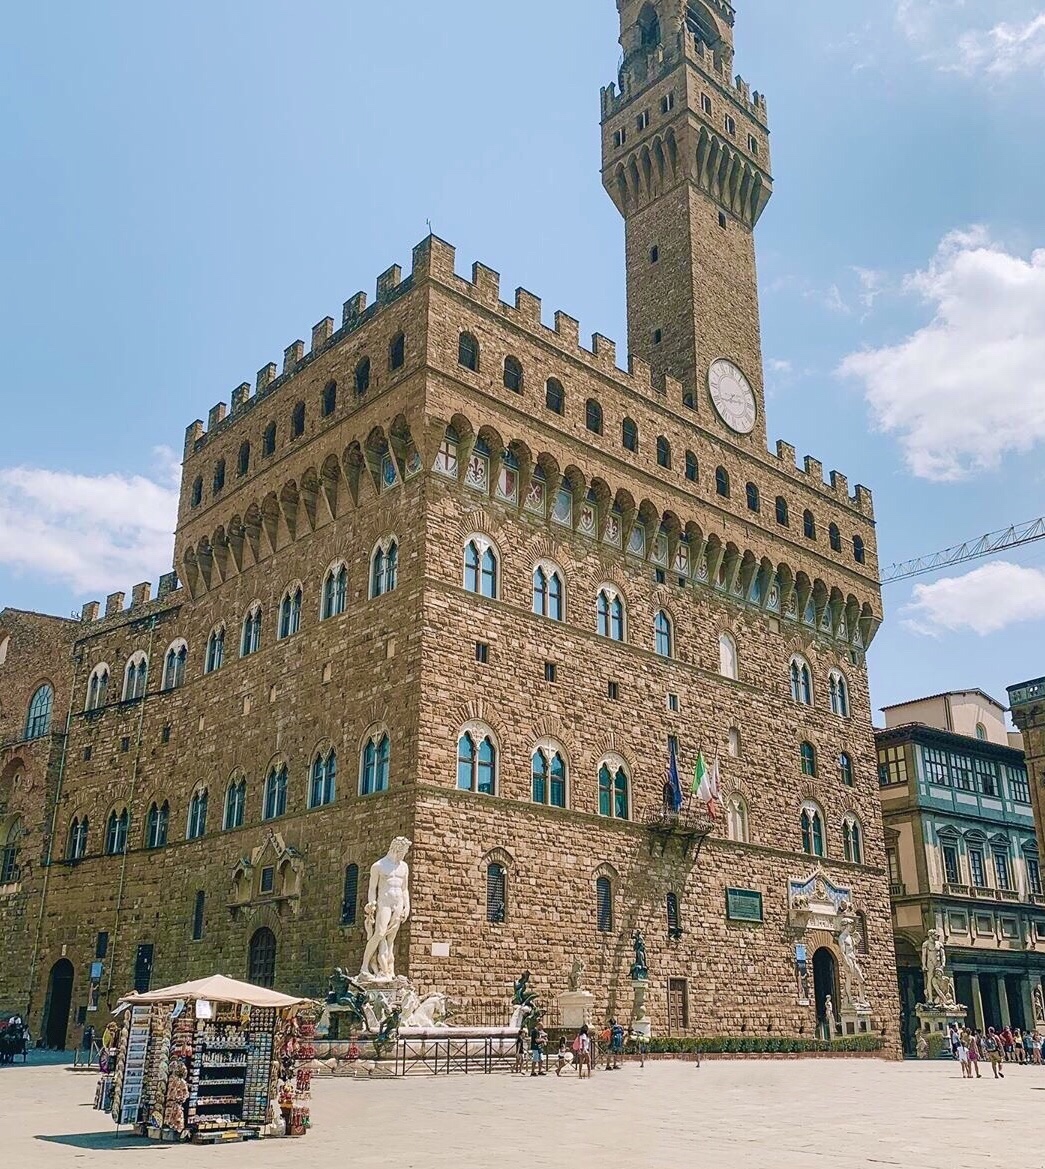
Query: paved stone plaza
{"points": [[723, 1116]]}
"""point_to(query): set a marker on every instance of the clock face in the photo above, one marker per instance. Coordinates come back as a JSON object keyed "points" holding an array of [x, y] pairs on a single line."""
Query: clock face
{"points": [[732, 396]]}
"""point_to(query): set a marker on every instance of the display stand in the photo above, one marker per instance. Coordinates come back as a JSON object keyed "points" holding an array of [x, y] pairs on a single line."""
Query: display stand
{"points": [[204, 1061]]}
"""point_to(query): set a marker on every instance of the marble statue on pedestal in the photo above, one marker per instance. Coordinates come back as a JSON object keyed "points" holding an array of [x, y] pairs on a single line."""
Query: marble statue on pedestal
{"points": [[854, 992], [387, 908], [939, 986]]}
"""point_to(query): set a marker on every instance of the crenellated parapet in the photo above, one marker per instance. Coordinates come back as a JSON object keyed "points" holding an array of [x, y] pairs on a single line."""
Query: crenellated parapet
{"points": [[142, 603]]}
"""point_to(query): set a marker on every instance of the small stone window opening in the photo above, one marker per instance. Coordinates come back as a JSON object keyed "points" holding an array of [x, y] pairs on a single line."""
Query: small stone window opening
{"points": [[675, 930], [706, 104], [658, 336], [513, 375], [692, 467], [350, 895], [482, 653], [808, 525], [297, 421], [329, 399], [496, 894], [663, 453], [807, 755], [654, 254], [468, 352], [859, 552], [197, 491], [754, 499], [642, 121], [593, 416], [722, 221], [752, 144], [397, 352], [731, 125], [629, 435], [362, 376], [268, 444], [619, 138], [243, 459], [555, 396], [835, 538], [550, 672], [197, 915], [722, 482], [613, 691], [603, 905], [219, 475], [667, 103], [782, 517]]}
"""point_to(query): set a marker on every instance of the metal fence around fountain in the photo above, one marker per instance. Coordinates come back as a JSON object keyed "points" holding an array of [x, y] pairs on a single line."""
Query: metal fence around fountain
{"points": [[454, 1055]]}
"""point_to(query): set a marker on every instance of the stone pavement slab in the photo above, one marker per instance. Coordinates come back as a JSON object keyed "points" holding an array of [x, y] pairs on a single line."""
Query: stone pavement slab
{"points": [[724, 1115]]}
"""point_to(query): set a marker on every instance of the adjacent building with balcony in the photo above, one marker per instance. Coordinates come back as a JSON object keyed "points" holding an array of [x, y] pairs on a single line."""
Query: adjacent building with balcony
{"points": [[963, 855]]}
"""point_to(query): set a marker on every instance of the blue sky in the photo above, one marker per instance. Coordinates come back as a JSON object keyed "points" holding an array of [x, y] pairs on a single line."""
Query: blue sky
{"points": [[188, 188]]}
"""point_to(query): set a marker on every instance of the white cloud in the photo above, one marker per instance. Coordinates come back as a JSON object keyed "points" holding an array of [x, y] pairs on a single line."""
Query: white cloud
{"points": [[940, 29], [983, 601], [969, 387], [93, 532]]}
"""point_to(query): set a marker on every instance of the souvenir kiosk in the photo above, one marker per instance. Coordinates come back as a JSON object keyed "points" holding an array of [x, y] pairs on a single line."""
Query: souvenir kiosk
{"points": [[213, 1060]]}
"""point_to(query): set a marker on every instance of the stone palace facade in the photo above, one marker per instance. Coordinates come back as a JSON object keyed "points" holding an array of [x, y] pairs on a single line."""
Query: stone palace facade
{"points": [[452, 574]]}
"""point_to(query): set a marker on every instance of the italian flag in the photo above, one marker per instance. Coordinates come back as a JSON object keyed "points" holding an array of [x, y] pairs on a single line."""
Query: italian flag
{"points": [[705, 785]]}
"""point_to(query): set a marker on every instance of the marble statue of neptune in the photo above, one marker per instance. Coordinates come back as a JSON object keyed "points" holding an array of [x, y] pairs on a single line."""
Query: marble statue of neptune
{"points": [[387, 907]]}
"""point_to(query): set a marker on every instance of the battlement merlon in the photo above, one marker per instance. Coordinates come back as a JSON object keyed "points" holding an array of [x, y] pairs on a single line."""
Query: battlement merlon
{"points": [[435, 260], [141, 598]]}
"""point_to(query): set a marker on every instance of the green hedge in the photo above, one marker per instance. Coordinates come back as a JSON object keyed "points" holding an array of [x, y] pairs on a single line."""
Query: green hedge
{"points": [[762, 1045]]}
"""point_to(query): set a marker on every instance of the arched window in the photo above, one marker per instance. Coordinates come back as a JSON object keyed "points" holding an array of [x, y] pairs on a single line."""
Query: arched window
{"points": [[807, 755], [513, 375], [549, 595], [549, 774], [235, 805], [722, 482], [663, 453], [733, 742], [362, 376], [397, 352], [981, 732], [728, 659], [808, 525], [76, 849], [859, 553], [853, 840], [610, 614], [215, 650], [250, 642], [157, 823], [675, 930], [297, 420], [197, 825], [468, 352], [243, 459], [835, 538], [801, 681], [593, 416], [329, 399], [174, 665], [736, 818], [663, 635], [555, 396], [838, 688], [496, 893], [845, 769], [9, 843], [261, 958], [614, 790], [335, 592], [604, 905], [782, 517], [219, 476], [754, 499], [116, 833], [692, 467], [480, 568], [812, 825], [629, 435], [350, 895], [274, 797], [290, 613], [135, 677], [689, 400], [97, 687], [197, 491], [323, 780], [477, 762], [384, 568], [373, 765], [268, 441]]}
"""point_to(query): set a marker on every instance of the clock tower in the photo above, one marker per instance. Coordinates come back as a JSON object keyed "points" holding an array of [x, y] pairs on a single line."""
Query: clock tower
{"points": [[686, 161]]}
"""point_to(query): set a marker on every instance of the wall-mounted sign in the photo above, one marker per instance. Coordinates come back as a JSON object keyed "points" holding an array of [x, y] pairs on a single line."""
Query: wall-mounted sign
{"points": [[744, 905]]}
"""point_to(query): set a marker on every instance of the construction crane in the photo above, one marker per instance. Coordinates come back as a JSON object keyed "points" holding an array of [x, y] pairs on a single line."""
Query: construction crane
{"points": [[1014, 537]]}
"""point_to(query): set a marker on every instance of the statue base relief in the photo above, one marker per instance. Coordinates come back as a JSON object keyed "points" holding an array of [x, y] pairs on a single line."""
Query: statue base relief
{"points": [[934, 1024], [855, 1019], [576, 1009]]}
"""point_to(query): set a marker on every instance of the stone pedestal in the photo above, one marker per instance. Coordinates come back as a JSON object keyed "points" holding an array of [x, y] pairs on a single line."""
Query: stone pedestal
{"points": [[576, 1009], [640, 1021], [934, 1025], [855, 1019]]}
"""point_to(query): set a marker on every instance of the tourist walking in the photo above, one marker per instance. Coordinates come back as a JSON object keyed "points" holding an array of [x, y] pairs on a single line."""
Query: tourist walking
{"points": [[1007, 1044], [520, 1051], [961, 1054], [974, 1052], [992, 1046], [582, 1052]]}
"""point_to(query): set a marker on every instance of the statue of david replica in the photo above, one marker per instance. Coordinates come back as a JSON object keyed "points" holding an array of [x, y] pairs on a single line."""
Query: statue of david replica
{"points": [[387, 908]]}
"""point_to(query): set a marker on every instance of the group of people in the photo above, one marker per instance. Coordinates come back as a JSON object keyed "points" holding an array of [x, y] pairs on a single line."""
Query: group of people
{"points": [[580, 1054], [1009, 1045]]}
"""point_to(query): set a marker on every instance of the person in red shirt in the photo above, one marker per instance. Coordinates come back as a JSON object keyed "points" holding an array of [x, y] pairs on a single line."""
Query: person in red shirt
{"points": [[1007, 1044]]}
